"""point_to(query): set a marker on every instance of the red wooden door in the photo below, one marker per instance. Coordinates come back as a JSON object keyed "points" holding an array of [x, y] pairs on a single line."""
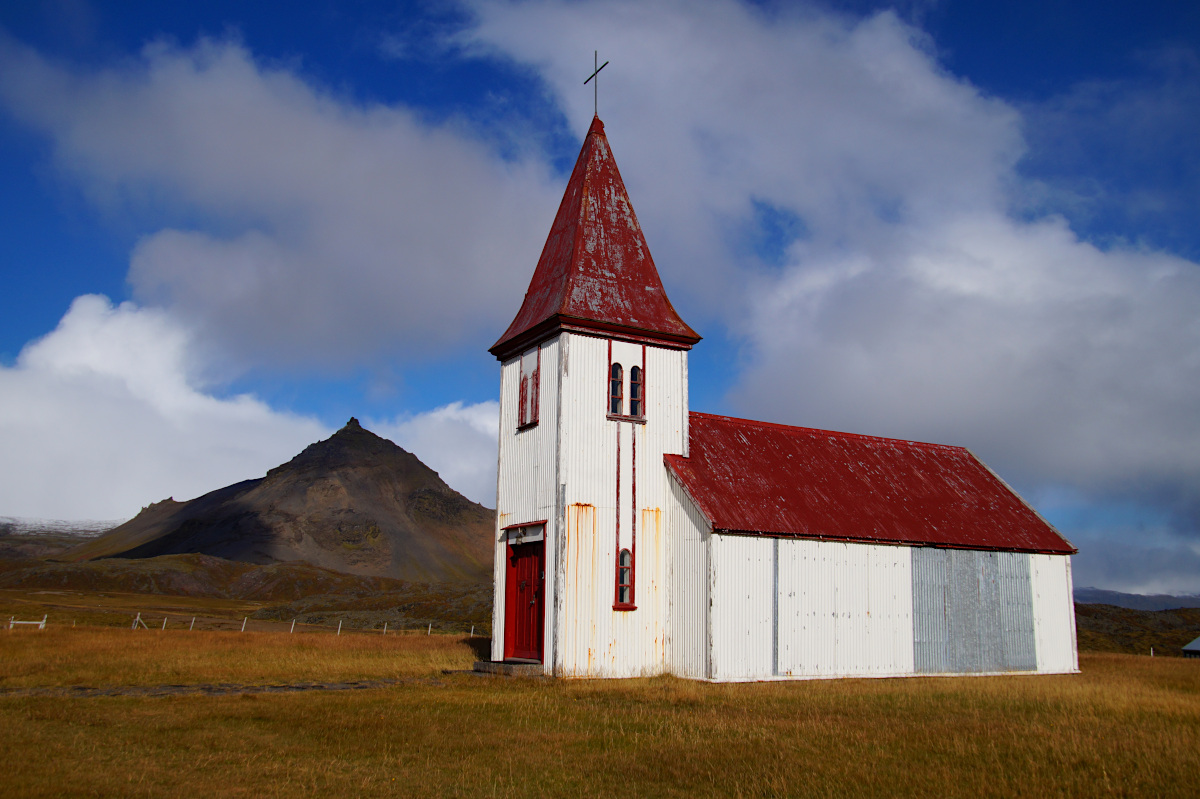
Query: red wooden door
{"points": [[525, 607]]}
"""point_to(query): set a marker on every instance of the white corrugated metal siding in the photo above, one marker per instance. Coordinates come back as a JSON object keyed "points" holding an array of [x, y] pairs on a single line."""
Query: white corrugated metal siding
{"points": [[740, 593], [1053, 613], [525, 486], [687, 573], [593, 639], [844, 609], [801, 608]]}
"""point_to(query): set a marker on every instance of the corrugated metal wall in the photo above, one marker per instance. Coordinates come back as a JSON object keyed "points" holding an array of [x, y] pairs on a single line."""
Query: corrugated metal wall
{"points": [[801, 608], [599, 459], [741, 607], [972, 611], [525, 487], [729, 607], [1053, 613], [687, 572]]}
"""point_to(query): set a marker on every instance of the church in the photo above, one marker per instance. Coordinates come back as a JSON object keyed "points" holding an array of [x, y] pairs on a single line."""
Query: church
{"points": [[636, 537]]}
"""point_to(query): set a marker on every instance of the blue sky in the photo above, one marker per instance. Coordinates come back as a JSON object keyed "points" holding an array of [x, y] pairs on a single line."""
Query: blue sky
{"points": [[228, 227]]}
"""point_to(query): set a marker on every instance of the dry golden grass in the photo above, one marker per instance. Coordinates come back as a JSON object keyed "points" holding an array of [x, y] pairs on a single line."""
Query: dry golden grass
{"points": [[104, 657], [1126, 726]]}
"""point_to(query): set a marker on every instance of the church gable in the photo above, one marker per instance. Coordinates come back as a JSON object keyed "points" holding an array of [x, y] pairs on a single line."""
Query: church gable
{"points": [[756, 477]]}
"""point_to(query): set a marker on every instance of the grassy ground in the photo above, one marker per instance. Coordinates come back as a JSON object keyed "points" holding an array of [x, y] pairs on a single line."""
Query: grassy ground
{"points": [[1126, 726]]}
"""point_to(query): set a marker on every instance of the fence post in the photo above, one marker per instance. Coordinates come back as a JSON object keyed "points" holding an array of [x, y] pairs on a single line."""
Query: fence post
{"points": [[472, 630], [193, 624], [136, 621], [293, 627], [244, 623], [385, 628], [430, 630], [339, 627], [164, 622]]}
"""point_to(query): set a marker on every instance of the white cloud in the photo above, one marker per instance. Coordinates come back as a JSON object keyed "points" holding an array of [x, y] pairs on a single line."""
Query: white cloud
{"points": [[320, 231], [104, 415], [916, 302], [712, 105], [457, 441]]}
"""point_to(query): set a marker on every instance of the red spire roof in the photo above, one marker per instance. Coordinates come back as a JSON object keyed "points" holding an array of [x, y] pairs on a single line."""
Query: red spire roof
{"points": [[769, 479], [596, 273]]}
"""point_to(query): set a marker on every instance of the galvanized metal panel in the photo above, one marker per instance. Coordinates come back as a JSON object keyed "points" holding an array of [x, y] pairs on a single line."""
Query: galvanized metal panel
{"points": [[756, 477], [1016, 611], [1053, 614], [931, 618], [972, 611]]}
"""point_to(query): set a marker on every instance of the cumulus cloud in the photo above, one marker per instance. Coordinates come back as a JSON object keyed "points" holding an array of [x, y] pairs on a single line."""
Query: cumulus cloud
{"points": [[922, 286], [107, 413], [913, 293], [458, 441], [320, 231]]}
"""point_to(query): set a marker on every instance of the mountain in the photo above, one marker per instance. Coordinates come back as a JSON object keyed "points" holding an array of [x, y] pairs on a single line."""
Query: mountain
{"points": [[1107, 628], [1100, 596], [353, 503]]}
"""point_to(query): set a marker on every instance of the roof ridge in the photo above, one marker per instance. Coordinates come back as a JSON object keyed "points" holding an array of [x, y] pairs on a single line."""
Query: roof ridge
{"points": [[838, 433], [596, 129]]}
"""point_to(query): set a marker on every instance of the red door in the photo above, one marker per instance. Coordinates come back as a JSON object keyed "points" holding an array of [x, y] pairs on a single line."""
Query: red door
{"points": [[524, 608]]}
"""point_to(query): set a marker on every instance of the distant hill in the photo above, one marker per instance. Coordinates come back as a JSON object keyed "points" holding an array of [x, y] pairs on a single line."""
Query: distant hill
{"points": [[1099, 596], [301, 591], [1107, 628], [354, 503]]}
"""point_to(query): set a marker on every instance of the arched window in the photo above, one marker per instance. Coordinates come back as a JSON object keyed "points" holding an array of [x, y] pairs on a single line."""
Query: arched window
{"points": [[616, 395], [636, 400], [625, 578]]}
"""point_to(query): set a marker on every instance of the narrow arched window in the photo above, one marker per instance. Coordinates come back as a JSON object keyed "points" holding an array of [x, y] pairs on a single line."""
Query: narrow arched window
{"points": [[636, 391], [625, 578], [616, 394]]}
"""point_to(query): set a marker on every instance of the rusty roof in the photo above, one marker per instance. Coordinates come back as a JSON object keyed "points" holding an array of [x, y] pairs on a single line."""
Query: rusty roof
{"points": [[770, 479], [596, 273]]}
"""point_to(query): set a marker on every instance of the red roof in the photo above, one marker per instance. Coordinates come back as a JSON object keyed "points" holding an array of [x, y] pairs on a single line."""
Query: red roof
{"points": [[769, 479], [596, 273]]}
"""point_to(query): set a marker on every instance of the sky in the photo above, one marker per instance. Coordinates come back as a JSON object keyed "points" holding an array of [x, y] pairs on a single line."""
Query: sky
{"points": [[225, 228]]}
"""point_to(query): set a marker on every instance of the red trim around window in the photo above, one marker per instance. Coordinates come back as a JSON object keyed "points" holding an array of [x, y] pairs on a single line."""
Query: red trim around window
{"points": [[522, 524]]}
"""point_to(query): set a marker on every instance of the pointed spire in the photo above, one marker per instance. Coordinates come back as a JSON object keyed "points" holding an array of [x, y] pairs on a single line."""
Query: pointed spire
{"points": [[596, 273]]}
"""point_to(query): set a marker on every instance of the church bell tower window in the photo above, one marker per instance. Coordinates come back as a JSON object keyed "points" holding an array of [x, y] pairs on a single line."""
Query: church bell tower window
{"points": [[529, 388], [637, 383], [616, 391], [624, 581]]}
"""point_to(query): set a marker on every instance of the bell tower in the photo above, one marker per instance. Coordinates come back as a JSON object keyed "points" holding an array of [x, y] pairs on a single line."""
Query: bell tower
{"points": [[593, 393]]}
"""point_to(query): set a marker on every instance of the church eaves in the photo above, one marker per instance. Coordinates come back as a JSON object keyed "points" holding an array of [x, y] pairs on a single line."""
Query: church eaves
{"points": [[596, 274]]}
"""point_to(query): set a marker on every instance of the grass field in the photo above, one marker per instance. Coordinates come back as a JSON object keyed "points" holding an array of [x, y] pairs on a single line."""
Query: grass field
{"points": [[1125, 726]]}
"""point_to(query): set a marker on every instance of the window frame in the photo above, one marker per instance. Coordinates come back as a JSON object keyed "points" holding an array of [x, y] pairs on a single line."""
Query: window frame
{"points": [[529, 391], [638, 418], [616, 389], [630, 570], [637, 392]]}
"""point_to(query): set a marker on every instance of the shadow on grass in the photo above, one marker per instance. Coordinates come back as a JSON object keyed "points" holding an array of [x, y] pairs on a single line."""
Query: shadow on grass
{"points": [[482, 647]]}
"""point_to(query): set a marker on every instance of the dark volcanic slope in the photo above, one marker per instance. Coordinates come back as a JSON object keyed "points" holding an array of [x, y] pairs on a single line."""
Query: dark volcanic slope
{"points": [[355, 503]]}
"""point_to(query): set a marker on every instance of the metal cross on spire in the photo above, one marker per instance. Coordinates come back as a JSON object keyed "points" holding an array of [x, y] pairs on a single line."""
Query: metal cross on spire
{"points": [[596, 85]]}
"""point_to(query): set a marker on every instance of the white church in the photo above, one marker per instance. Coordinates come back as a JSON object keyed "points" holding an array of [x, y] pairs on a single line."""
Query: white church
{"points": [[636, 537]]}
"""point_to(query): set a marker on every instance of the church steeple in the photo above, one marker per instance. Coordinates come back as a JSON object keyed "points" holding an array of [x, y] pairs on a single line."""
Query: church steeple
{"points": [[596, 273]]}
